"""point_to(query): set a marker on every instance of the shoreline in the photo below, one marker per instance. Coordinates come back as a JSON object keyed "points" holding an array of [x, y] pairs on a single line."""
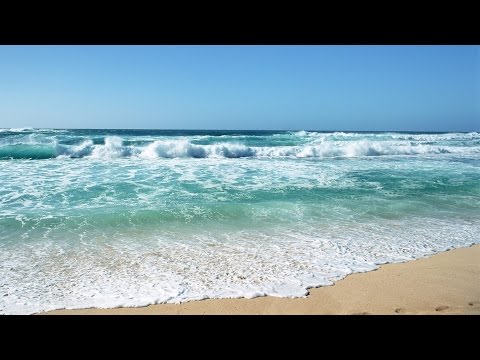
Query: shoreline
{"points": [[443, 283]]}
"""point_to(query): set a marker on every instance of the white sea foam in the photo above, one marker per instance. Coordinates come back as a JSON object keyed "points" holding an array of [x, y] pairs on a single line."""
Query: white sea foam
{"points": [[356, 149], [113, 148], [248, 263], [173, 149], [184, 148]]}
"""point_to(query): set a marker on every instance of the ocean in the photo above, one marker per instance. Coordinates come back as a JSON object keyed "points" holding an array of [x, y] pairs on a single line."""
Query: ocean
{"points": [[109, 218]]}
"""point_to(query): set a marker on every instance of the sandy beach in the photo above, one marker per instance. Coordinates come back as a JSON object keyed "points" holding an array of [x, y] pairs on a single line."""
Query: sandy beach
{"points": [[445, 283]]}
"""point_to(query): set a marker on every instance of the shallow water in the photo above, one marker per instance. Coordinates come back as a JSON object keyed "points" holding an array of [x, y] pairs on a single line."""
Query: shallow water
{"points": [[110, 218]]}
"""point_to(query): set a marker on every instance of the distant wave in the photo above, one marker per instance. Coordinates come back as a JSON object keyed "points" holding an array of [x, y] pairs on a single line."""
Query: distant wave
{"points": [[24, 130], [114, 147], [16, 129], [390, 135]]}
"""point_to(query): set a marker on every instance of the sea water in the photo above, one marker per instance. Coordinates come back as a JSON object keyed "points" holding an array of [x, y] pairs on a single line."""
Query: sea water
{"points": [[108, 218]]}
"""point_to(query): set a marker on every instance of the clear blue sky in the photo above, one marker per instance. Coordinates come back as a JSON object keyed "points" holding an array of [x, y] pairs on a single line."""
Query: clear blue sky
{"points": [[434, 88]]}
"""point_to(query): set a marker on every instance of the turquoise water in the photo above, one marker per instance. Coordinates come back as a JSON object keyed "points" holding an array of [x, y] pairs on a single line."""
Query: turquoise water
{"points": [[110, 218]]}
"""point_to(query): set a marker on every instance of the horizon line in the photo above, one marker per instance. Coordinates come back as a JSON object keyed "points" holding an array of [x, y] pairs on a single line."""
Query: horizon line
{"points": [[212, 129]]}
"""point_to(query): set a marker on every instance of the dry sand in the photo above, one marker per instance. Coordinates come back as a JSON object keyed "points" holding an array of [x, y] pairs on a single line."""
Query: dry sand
{"points": [[446, 283]]}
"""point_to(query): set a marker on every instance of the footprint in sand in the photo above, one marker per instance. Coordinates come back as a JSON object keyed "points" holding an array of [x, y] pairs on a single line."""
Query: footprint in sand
{"points": [[442, 308]]}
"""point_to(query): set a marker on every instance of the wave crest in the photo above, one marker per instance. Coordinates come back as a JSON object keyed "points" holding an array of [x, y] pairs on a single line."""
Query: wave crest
{"points": [[114, 147]]}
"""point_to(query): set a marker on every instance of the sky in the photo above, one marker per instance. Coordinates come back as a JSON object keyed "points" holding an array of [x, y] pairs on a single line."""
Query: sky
{"points": [[420, 88]]}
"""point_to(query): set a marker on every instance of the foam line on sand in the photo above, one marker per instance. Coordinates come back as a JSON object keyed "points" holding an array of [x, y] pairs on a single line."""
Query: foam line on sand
{"points": [[445, 283]]}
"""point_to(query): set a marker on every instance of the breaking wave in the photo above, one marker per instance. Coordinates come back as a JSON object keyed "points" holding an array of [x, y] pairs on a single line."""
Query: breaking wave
{"points": [[114, 147]]}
